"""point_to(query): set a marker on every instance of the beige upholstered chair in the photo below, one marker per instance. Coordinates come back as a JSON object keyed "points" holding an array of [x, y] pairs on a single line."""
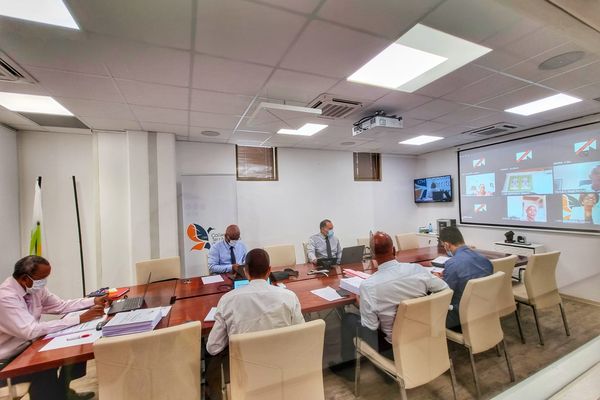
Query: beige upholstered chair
{"points": [[14, 392], [283, 363], [407, 241], [419, 344], [161, 268], [158, 365], [305, 248], [367, 243], [539, 290], [282, 256], [506, 299], [480, 321]]}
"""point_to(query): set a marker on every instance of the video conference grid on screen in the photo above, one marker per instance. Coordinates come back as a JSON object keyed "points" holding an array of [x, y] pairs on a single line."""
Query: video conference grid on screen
{"points": [[546, 181], [433, 189]]}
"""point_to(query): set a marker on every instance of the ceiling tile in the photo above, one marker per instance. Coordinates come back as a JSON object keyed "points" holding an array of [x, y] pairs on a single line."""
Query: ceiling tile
{"points": [[148, 94], [489, 87], [228, 76], [498, 60], [515, 31], [247, 136], [290, 85], [161, 115], [110, 124], [165, 23], [463, 115], [580, 109], [245, 31], [220, 103], [98, 109], [516, 119], [433, 109], [302, 6], [74, 85], [330, 50], [464, 76], [166, 128], [587, 92], [517, 97], [536, 42], [387, 18], [358, 91], [583, 76], [220, 121], [472, 20], [23, 88], [137, 61], [224, 134]]}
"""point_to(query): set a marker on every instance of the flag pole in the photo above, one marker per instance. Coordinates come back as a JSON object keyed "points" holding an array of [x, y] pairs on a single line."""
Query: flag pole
{"points": [[79, 233]]}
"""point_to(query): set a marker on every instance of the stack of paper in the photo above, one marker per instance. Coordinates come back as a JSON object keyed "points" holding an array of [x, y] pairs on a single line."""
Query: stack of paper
{"points": [[439, 261], [352, 284], [136, 321], [353, 272], [328, 293]]}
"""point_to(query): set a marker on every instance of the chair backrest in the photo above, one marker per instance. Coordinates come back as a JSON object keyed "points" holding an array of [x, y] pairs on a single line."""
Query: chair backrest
{"points": [[158, 365], [478, 312], [283, 255], [161, 268], [419, 338], [506, 299], [540, 279], [305, 248], [407, 241], [365, 242], [282, 363]]}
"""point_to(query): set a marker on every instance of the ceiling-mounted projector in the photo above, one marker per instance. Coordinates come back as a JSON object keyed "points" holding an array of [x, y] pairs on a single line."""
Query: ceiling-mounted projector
{"points": [[375, 123]]}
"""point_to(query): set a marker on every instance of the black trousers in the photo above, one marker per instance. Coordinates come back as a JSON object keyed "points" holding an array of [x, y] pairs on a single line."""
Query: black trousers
{"points": [[213, 372], [453, 321], [376, 339], [50, 384]]}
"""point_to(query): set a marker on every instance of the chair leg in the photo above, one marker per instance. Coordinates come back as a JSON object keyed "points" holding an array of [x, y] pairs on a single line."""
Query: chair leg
{"points": [[357, 375], [453, 379], [537, 325], [12, 391], [498, 350], [564, 318], [475, 378], [511, 372], [519, 325], [402, 390]]}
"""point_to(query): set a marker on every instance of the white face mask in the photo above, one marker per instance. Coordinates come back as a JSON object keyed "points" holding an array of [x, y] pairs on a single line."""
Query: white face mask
{"points": [[37, 285], [232, 243]]}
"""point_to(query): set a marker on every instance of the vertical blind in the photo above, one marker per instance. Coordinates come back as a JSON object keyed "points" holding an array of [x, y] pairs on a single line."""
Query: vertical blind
{"points": [[256, 163], [367, 167]]}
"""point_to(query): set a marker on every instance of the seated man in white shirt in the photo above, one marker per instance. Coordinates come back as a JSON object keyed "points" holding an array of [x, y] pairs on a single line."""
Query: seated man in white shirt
{"points": [[380, 295], [255, 307], [23, 299]]}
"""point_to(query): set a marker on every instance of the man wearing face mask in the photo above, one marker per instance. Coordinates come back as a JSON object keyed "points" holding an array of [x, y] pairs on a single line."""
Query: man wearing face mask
{"points": [[324, 244], [229, 254], [464, 264], [23, 299]]}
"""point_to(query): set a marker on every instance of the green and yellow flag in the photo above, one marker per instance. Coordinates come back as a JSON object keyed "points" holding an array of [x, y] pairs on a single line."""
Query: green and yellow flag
{"points": [[35, 244]]}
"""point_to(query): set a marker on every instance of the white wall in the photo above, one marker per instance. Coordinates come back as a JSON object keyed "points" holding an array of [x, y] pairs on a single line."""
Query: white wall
{"points": [[9, 199], [579, 253], [312, 185]]}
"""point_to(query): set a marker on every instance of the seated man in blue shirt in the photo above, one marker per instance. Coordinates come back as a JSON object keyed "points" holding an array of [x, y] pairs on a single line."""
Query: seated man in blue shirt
{"points": [[463, 265], [229, 254], [324, 244]]}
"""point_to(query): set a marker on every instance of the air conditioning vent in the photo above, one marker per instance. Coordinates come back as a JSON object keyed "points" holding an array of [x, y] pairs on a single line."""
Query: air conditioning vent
{"points": [[333, 107], [492, 130], [11, 72]]}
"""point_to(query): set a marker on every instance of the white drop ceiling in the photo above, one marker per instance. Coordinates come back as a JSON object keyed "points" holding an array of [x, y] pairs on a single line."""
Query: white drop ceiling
{"points": [[188, 66]]}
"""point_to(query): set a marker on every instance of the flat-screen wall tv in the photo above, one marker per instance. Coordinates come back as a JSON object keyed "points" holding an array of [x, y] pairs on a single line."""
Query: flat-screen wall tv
{"points": [[434, 189]]}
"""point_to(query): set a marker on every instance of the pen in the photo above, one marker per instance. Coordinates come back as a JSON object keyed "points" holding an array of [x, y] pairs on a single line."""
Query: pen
{"points": [[79, 337]]}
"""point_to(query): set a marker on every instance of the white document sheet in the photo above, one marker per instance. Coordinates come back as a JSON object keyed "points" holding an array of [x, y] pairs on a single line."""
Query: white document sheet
{"points": [[77, 339], [212, 279], [434, 269], [165, 311], [211, 315], [328, 293]]}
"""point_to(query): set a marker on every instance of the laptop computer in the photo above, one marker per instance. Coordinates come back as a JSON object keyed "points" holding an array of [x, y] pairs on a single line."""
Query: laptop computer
{"points": [[326, 262], [131, 303], [352, 255]]}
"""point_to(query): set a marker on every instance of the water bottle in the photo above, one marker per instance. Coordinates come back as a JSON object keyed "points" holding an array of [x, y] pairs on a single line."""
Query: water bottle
{"points": [[430, 228]]}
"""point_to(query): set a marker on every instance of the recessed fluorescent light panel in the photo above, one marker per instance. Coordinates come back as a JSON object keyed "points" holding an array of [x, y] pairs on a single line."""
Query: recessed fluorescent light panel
{"points": [[421, 56], [53, 12], [419, 140], [545, 104], [305, 130], [32, 104]]}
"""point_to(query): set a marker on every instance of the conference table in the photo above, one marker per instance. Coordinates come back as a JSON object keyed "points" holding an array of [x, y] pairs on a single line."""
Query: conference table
{"points": [[192, 300]]}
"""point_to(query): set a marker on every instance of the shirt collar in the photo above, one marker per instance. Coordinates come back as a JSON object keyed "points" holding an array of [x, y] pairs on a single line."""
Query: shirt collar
{"points": [[387, 265], [258, 282], [17, 287], [461, 248]]}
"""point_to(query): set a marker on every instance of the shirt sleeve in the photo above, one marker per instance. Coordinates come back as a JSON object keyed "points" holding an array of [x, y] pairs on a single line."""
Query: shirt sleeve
{"points": [[218, 339], [52, 304], [214, 259], [15, 320], [435, 284], [297, 317], [310, 250], [338, 251], [368, 317], [244, 252], [450, 275]]}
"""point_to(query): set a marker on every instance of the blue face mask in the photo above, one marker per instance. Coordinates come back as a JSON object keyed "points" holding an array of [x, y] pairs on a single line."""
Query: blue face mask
{"points": [[330, 233]]}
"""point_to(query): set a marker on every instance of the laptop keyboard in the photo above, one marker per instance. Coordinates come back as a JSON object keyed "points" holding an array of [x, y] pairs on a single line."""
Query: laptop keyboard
{"points": [[132, 302]]}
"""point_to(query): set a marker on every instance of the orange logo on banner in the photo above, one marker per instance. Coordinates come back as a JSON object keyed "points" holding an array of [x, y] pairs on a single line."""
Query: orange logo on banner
{"points": [[198, 234]]}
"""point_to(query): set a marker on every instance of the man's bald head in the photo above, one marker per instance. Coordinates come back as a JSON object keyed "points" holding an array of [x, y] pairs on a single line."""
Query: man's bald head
{"points": [[232, 232], [382, 247]]}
